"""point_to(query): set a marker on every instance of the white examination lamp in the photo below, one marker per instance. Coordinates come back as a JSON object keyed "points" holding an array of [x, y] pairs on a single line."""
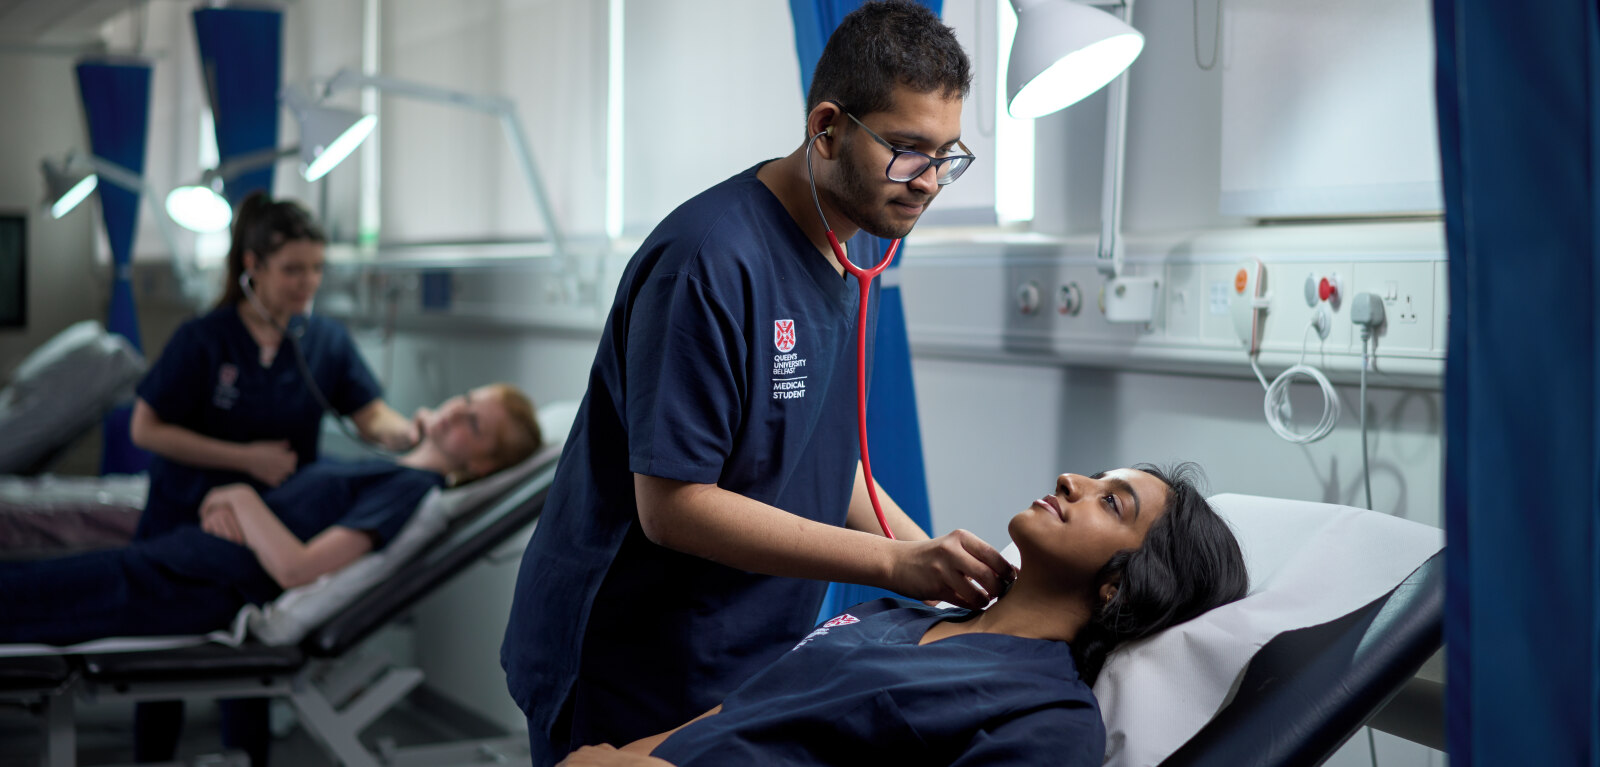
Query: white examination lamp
{"points": [[327, 136], [1064, 51], [67, 183], [71, 181], [200, 207]]}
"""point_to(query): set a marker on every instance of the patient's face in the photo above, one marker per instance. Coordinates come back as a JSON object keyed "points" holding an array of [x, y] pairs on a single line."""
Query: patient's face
{"points": [[467, 428], [1074, 530]]}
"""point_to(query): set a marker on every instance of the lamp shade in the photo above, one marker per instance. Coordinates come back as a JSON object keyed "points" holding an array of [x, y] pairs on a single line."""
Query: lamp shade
{"points": [[328, 135], [66, 185], [200, 207], [1064, 51]]}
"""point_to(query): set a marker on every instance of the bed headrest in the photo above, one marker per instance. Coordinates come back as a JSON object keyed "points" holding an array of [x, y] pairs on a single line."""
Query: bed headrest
{"points": [[1309, 563]]}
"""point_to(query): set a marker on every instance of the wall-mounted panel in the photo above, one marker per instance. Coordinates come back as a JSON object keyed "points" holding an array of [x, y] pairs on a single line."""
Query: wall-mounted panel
{"points": [[1328, 109]]}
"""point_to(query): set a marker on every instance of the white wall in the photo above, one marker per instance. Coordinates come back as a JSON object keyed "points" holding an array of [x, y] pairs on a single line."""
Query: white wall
{"points": [[448, 173], [703, 101]]}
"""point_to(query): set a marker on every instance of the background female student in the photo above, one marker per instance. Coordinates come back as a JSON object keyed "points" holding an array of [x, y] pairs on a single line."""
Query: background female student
{"points": [[1105, 559], [226, 401], [250, 547]]}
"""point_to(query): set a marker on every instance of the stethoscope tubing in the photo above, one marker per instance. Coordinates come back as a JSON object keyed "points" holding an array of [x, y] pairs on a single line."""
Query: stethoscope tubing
{"points": [[864, 278]]}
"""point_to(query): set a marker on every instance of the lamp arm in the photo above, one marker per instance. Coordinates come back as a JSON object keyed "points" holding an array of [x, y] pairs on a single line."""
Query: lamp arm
{"points": [[530, 171], [1108, 255], [256, 160], [505, 109], [135, 183]]}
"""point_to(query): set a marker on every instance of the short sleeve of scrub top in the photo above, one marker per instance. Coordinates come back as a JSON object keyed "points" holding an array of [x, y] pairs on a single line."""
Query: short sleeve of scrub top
{"points": [[684, 396], [382, 509], [174, 386], [373, 496], [352, 384]]}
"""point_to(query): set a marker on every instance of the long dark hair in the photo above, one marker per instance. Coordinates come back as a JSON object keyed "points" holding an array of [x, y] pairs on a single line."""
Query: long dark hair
{"points": [[882, 44], [1189, 563], [261, 226]]}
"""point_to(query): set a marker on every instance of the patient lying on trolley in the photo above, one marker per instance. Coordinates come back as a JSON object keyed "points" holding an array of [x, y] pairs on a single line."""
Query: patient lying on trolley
{"points": [[249, 548], [1105, 559]]}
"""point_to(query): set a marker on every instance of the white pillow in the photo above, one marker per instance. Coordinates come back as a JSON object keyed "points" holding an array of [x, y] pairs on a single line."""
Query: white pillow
{"points": [[299, 610]]}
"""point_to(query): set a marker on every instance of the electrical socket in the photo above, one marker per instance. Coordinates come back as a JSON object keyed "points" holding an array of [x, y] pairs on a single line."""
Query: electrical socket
{"points": [[1405, 310]]}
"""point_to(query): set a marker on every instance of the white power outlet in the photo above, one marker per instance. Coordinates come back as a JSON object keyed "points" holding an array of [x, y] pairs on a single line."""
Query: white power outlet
{"points": [[1404, 309], [1407, 290]]}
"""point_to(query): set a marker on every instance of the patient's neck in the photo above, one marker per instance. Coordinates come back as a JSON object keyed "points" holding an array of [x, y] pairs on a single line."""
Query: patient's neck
{"points": [[1030, 610], [428, 457]]}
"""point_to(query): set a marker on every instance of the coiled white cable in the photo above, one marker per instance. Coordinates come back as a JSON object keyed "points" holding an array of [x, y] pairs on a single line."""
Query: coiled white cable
{"points": [[1276, 405]]}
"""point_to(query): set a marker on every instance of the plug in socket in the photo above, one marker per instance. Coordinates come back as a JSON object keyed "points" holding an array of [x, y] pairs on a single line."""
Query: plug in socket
{"points": [[1367, 309]]}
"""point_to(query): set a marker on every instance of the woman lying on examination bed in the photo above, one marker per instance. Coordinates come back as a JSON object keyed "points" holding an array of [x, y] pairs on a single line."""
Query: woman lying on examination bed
{"points": [[1105, 559], [249, 547]]}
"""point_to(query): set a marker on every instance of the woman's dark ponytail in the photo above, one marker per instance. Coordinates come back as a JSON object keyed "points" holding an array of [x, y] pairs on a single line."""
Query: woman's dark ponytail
{"points": [[261, 226], [1189, 563]]}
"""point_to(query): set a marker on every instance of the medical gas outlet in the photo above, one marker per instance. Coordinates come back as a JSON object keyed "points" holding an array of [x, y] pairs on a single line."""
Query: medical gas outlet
{"points": [[1028, 297], [1069, 300], [1323, 296]]}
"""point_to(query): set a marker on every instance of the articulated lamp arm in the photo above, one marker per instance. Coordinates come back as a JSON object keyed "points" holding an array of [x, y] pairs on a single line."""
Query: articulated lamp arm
{"points": [[504, 109]]}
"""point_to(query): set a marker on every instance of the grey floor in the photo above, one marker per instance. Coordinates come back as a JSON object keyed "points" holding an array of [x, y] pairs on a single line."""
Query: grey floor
{"points": [[105, 732]]}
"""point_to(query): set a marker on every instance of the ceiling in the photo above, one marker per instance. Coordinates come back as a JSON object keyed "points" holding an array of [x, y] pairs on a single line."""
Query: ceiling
{"points": [[57, 22]]}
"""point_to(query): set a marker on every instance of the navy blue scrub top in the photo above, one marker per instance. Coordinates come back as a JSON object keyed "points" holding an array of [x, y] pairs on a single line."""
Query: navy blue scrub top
{"points": [[860, 690], [729, 358], [209, 379], [187, 581]]}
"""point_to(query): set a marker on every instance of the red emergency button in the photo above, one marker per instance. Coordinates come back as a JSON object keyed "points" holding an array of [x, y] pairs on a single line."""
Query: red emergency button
{"points": [[1325, 289]]}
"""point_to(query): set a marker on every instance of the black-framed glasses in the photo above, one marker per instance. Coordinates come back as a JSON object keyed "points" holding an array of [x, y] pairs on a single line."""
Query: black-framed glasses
{"points": [[907, 164]]}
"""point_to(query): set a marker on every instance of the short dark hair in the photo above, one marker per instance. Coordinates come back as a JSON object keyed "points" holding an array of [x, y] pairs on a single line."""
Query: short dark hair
{"points": [[884, 44], [1189, 563]]}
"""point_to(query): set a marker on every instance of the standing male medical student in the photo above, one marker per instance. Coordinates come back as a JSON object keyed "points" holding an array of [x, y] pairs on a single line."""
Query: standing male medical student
{"points": [[712, 482]]}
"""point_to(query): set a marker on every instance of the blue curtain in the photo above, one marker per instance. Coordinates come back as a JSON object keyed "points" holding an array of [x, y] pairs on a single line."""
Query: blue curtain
{"points": [[240, 53], [893, 436], [116, 106], [1519, 130]]}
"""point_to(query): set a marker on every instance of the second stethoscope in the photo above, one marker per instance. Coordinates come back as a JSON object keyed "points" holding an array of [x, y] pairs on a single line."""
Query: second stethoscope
{"points": [[291, 336]]}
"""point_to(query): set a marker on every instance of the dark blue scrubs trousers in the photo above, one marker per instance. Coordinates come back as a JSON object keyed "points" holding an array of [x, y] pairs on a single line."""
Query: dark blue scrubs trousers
{"points": [[101, 593]]}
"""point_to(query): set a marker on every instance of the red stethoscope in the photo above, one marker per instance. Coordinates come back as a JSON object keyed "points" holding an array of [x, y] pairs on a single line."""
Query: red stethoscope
{"points": [[864, 278]]}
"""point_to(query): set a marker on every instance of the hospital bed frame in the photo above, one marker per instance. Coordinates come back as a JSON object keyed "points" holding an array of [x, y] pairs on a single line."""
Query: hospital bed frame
{"points": [[335, 694]]}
